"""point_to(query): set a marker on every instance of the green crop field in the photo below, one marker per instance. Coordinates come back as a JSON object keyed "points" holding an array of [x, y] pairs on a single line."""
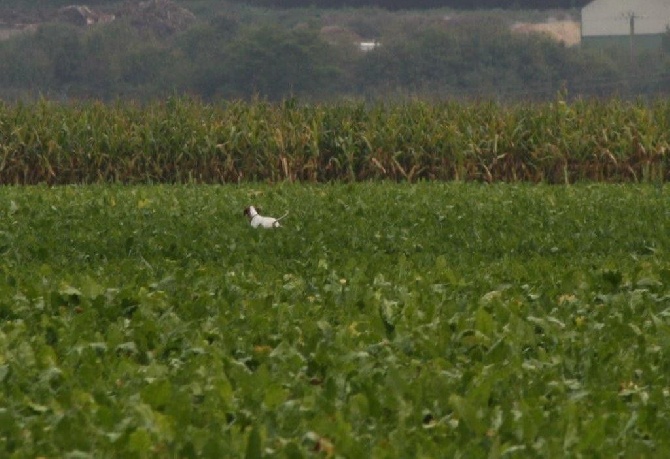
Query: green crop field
{"points": [[186, 141], [384, 320]]}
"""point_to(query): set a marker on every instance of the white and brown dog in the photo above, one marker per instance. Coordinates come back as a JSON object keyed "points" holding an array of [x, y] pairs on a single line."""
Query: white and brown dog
{"points": [[257, 220]]}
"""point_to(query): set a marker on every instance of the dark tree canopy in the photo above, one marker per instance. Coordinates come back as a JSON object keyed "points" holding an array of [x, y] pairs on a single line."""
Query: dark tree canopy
{"points": [[389, 4]]}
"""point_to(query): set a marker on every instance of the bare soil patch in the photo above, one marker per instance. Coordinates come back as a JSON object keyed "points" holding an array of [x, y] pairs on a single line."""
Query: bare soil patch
{"points": [[567, 32]]}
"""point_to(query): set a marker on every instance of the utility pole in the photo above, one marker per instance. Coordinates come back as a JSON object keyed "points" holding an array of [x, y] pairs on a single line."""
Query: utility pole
{"points": [[631, 16]]}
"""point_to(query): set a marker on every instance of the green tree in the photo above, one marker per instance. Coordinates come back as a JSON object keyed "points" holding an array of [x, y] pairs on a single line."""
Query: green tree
{"points": [[275, 62], [201, 53], [122, 61], [23, 66], [64, 44]]}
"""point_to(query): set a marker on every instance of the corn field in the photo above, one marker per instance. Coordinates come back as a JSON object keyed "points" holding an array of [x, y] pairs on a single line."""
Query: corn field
{"points": [[181, 140]]}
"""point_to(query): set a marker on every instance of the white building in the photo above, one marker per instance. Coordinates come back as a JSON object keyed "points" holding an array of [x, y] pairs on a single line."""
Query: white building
{"points": [[370, 45], [615, 22]]}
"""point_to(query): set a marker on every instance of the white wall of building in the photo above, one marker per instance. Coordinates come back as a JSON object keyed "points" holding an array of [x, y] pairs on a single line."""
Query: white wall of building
{"points": [[611, 17]]}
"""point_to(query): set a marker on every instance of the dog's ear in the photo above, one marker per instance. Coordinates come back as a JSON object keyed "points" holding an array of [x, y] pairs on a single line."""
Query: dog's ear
{"points": [[246, 211], [259, 210]]}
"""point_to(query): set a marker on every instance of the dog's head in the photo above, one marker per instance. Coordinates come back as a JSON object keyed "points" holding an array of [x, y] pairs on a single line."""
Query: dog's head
{"points": [[250, 212]]}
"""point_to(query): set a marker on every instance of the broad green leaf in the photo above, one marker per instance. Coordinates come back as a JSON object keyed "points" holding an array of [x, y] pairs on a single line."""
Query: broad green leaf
{"points": [[274, 396], [139, 442], [469, 414], [254, 447]]}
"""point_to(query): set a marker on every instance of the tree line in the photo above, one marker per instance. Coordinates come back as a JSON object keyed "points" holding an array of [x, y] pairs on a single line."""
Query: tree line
{"points": [[389, 4], [225, 57], [421, 4]]}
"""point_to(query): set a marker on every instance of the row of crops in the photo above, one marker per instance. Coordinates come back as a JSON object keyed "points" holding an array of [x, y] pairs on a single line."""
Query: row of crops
{"points": [[185, 141], [490, 321]]}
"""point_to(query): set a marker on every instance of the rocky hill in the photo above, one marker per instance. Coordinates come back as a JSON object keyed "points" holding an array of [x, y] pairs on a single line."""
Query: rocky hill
{"points": [[159, 16]]}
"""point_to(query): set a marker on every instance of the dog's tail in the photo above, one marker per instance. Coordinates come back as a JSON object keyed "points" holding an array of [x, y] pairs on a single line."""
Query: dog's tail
{"points": [[286, 214], [276, 222]]}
